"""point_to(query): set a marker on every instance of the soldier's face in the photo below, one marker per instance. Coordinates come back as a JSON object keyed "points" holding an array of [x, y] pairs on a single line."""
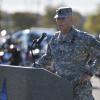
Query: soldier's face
{"points": [[64, 24]]}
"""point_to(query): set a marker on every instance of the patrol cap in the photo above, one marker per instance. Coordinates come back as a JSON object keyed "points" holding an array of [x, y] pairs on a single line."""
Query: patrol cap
{"points": [[63, 12]]}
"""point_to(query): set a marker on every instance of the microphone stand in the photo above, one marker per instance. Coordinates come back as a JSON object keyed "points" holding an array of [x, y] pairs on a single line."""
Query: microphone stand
{"points": [[35, 43]]}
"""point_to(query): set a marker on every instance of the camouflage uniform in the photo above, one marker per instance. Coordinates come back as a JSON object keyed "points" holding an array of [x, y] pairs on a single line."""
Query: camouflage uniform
{"points": [[73, 56]]}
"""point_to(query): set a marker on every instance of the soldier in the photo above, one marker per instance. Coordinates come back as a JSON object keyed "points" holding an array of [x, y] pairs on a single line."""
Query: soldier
{"points": [[73, 54]]}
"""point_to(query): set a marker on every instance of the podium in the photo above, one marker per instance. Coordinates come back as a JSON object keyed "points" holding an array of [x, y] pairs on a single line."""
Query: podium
{"points": [[27, 83]]}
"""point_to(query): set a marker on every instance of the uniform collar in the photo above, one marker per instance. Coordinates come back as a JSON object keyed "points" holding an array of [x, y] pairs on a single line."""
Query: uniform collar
{"points": [[68, 38]]}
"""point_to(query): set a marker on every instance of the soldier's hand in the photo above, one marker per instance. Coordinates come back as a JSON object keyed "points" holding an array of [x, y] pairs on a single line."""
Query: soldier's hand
{"points": [[84, 78]]}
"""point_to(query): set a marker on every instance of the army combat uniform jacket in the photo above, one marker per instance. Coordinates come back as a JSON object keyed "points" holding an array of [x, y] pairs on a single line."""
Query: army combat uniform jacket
{"points": [[72, 56]]}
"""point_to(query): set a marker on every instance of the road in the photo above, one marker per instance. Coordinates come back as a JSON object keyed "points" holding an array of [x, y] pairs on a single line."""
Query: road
{"points": [[96, 87]]}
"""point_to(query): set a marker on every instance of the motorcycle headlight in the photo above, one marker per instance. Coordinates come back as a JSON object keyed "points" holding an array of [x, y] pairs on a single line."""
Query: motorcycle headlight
{"points": [[1, 53]]}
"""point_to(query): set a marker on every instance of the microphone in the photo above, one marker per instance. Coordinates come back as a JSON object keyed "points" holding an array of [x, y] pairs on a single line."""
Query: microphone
{"points": [[37, 42], [41, 38]]}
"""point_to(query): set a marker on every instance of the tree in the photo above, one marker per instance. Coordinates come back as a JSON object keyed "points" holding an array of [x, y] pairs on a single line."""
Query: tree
{"points": [[78, 20], [0, 15], [48, 18], [25, 20], [92, 23]]}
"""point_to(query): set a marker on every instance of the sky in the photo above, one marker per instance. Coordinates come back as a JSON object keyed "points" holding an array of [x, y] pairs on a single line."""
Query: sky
{"points": [[82, 6]]}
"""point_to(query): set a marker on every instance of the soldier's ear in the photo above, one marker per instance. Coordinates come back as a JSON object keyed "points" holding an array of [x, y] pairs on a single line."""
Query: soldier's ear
{"points": [[71, 20]]}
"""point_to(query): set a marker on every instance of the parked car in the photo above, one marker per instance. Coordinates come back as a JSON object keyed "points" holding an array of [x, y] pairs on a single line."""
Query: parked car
{"points": [[26, 37]]}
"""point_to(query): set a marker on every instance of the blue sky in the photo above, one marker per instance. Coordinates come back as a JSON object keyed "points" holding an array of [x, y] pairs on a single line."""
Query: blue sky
{"points": [[82, 6]]}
